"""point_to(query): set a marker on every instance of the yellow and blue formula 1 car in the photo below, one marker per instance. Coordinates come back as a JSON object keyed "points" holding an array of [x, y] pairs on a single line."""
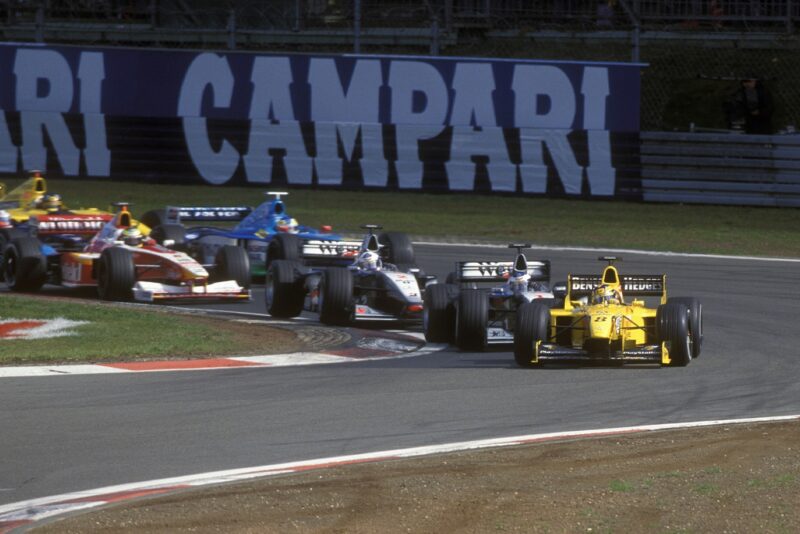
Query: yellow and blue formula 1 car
{"points": [[30, 209], [597, 324]]}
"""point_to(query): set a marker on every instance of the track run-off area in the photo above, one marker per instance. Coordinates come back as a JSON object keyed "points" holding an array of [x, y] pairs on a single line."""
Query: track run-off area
{"points": [[64, 434]]}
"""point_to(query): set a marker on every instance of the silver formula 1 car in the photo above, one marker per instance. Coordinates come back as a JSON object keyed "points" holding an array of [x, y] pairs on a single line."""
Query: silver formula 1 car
{"points": [[350, 281], [475, 317]]}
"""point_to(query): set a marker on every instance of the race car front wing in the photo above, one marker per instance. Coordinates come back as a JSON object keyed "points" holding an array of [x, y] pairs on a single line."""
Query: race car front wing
{"points": [[643, 354]]}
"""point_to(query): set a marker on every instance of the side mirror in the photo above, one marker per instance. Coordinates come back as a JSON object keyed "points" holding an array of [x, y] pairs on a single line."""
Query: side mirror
{"points": [[168, 242]]}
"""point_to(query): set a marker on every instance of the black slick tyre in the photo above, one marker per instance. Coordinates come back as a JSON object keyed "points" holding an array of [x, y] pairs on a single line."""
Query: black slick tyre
{"points": [[399, 249], [695, 322], [672, 320], [336, 296], [283, 291], [116, 274], [533, 325], [232, 263], [472, 317], [24, 266], [438, 314], [284, 247], [173, 234]]}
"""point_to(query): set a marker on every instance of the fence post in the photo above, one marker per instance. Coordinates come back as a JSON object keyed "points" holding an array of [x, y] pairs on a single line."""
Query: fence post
{"points": [[39, 24], [435, 35], [357, 26], [232, 30], [637, 27]]}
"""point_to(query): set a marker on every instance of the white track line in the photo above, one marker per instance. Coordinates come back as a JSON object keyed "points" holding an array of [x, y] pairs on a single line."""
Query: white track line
{"points": [[618, 251], [24, 513]]}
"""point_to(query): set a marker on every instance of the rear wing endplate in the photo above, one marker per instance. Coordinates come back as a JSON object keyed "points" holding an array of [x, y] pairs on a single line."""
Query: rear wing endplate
{"points": [[176, 214], [498, 271], [634, 285]]}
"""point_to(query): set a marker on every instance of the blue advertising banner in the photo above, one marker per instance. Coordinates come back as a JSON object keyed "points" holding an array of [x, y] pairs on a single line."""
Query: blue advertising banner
{"points": [[325, 120]]}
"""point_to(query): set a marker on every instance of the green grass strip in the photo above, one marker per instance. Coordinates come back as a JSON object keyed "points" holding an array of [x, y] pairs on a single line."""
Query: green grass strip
{"points": [[130, 333], [543, 221]]}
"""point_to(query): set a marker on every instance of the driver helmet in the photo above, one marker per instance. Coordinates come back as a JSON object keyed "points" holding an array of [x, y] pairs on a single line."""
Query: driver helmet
{"points": [[287, 225], [132, 236], [5, 219], [369, 261], [51, 202], [518, 281], [604, 294]]}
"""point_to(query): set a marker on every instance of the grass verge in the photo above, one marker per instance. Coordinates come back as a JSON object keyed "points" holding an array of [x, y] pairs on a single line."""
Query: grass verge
{"points": [[132, 333], [543, 221]]}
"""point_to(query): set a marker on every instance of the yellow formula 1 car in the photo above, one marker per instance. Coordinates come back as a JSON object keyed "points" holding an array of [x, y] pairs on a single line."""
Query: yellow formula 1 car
{"points": [[29, 209], [597, 323]]}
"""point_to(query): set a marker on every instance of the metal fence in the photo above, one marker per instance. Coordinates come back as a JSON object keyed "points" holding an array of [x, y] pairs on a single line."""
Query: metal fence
{"points": [[750, 170], [697, 49]]}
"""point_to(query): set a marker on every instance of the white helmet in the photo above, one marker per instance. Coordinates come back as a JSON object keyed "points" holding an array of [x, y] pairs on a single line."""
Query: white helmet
{"points": [[132, 236], [369, 260], [518, 281]]}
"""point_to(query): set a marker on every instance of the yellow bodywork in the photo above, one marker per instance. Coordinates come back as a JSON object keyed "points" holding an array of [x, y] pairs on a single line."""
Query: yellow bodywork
{"points": [[605, 328], [21, 202]]}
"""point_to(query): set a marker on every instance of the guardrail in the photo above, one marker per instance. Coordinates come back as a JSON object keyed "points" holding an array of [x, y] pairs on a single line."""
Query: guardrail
{"points": [[757, 170]]}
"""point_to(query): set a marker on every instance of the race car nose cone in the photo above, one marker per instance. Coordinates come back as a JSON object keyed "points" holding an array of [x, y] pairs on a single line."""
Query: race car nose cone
{"points": [[600, 326]]}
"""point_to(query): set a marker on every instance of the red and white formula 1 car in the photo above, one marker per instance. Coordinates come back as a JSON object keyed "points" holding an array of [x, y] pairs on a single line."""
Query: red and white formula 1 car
{"points": [[124, 264]]}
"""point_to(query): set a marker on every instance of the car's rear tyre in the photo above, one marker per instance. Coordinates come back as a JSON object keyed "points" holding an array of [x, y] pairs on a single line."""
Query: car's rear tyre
{"points": [[284, 247], [232, 263], [399, 249], [154, 218], [672, 320], [165, 233], [438, 314], [7, 235], [116, 274], [533, 325], [472, 317], [24, 266], [336, 296], [695, 322], [283, 291]]}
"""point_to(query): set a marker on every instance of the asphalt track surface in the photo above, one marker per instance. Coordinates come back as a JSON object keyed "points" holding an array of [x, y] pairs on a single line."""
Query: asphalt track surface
{"points": [[70, 433]]}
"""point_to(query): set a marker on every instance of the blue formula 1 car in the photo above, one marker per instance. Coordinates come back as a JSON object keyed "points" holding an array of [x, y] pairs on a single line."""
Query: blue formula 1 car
{"points": [[267, 232]]}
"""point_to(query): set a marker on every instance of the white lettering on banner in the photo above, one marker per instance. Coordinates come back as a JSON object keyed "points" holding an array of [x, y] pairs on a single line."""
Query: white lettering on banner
{"points": [[91, 73], [331, 102], [266, 138], [272, 97], [409, 164], [531, 84], [595, 92], [359, 104], [8, 151], [273, 127], [207, 71], [410, 78], [490, 142], [40, 114], [601, 174], [473, 85]]}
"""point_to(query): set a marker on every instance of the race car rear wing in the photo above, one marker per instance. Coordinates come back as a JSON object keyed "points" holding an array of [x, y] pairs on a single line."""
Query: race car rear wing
{"points": [[177, 214], [634, 285], [498, 271], [68, 224], [320, 251]]}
